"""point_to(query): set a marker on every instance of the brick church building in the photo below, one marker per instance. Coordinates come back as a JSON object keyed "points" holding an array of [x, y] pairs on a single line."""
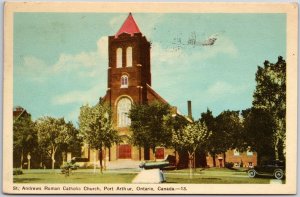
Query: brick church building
{"points": [[129, 82]]}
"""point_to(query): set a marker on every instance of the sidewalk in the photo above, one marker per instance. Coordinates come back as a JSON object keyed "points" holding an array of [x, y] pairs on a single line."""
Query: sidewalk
{"points": [[122, 164]]}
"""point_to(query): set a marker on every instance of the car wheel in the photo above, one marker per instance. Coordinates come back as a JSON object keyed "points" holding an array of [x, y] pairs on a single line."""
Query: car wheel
{"points": [[251, 173], [278, 174]]}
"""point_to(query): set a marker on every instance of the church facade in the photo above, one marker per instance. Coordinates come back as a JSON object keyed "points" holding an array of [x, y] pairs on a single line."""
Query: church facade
{"points": [[128, 82]]}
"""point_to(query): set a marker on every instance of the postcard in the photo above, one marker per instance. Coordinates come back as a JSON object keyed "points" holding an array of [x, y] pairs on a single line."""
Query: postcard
{"points": [[150, 98]]}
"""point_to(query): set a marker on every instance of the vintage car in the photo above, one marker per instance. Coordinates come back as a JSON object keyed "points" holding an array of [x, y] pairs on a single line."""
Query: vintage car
{"points": [[274, 168]]}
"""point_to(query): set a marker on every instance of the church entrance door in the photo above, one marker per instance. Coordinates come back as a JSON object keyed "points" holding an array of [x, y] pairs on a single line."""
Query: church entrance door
{"points": [[124, 151]]}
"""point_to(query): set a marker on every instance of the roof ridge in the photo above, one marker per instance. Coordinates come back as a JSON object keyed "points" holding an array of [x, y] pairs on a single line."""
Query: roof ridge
{"points": [[156, 94]]}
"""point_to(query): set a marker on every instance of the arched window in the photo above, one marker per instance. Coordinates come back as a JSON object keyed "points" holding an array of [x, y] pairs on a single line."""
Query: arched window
{"points": [[129, 57], [119, 57], [124, 81], [123, 108]]}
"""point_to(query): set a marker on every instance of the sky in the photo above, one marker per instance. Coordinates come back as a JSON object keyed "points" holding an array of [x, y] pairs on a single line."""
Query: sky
{"points": [[61, 59]]}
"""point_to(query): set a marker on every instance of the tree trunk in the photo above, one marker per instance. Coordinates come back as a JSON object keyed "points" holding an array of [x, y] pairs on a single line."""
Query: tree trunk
{"points": [[53, 160], [175, 152], [224, 158], [214, 159], [146, 153], [53, 156], [194, 161], [191, 164], [22, 158], [104, 158], [95, 161], [153, 151], [140, 154], [276, 148], [100, 160]]}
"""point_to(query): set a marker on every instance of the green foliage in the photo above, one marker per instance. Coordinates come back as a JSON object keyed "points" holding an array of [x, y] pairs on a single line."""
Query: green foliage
{"points": [[67, 167], [270, 95], [229, 129], [259, 128], [214, 141], [24, 138], [95, 125], [226, 132], [17, 172], [192, 136], [54, 133], [74, 143], [148, 125]]}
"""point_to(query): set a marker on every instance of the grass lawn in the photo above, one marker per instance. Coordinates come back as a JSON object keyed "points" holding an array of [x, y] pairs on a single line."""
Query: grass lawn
{"points": [[214, 176], [75, 177], [206, 179], [200, 176]]}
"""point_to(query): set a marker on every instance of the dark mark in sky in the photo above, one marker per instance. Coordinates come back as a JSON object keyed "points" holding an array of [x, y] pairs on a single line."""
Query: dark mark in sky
{"points": [[179, 42]]}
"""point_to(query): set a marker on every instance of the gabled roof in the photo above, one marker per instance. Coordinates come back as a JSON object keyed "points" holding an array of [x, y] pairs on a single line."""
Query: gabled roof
{"points": [[129, 26], [155, 94]]}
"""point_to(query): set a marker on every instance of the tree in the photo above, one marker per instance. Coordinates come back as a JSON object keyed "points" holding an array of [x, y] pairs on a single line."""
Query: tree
{"points": [[74, 143], [259, 127], [24, 137], [148, 126], [229, 130], [54, 133], [192, 136], [96, 127], [214, 141], [176, 123], [270, 95]]}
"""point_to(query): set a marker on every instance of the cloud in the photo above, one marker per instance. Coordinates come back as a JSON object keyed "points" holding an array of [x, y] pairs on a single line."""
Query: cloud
{"points": [[102, 48], [83, 64], [86, 64], [220, 88], [223, 89], [79, 96], [183, 55], [81, 78], [166, 55], [33, 68]]}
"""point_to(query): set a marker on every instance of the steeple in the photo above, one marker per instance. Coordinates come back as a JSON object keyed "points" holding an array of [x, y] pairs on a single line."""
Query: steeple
{"points": [[129, 26]]}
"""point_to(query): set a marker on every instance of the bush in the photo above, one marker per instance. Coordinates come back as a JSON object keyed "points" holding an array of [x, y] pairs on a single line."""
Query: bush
{"points": [[68, 167], [229, 165], [17, 172]]}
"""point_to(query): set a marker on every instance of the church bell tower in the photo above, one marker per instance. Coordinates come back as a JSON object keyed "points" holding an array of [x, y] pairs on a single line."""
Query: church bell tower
{"points": [[128, 77], [129, 63]]}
